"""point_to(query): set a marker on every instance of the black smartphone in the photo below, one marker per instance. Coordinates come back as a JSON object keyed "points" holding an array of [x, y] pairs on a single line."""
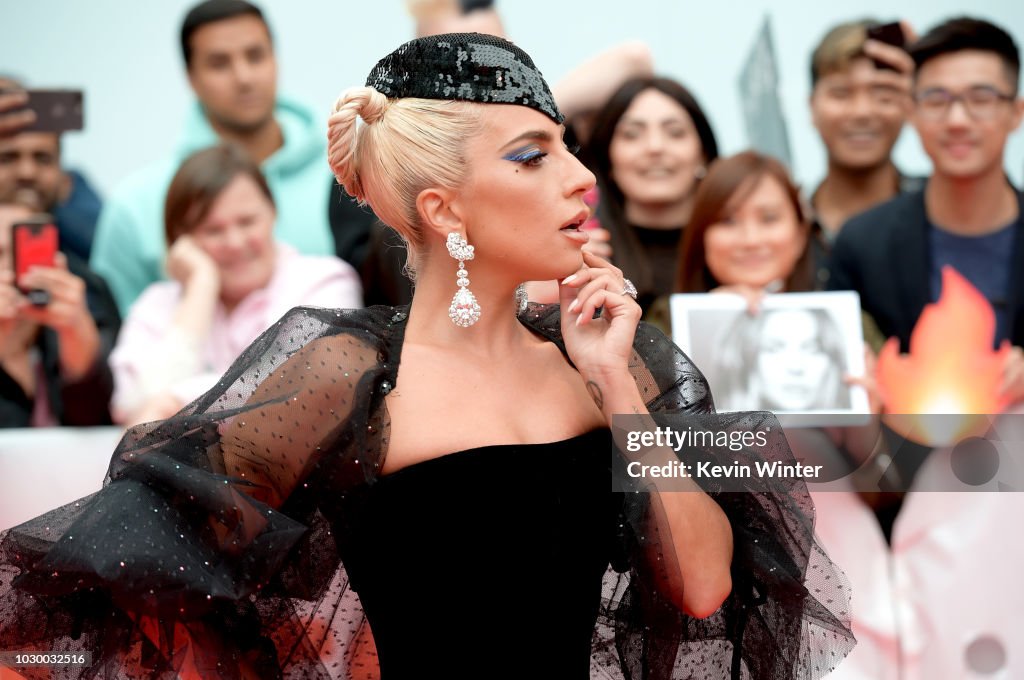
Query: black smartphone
{"points": [[34, 242], [890, 34], [56, 110]]}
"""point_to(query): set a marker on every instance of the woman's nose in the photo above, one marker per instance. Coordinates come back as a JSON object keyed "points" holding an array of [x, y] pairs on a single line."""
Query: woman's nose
{"points": [[582, 180], [749, 233], [654, 141], [234, 239]]}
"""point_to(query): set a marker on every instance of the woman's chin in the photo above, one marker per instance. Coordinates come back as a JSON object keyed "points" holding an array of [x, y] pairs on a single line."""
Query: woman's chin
{"points": [[549, 267], [232, 295], [565, 266], [762, 282], [241, 283]]}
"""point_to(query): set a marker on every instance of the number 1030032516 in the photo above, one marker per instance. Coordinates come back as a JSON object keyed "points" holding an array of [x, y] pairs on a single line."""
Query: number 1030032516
{"points": [[35, 659]]}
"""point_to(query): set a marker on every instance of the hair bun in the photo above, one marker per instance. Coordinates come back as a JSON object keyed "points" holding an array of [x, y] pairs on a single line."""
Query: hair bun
{"points": [[357, 102], [365, 102]]}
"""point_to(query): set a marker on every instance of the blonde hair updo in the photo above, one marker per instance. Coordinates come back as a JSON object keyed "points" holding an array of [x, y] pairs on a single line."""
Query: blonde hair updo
{"points": [[405, 146]]}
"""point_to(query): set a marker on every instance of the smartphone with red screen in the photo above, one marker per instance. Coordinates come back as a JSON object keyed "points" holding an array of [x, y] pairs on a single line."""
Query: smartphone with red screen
{"points": [[34, 243]]}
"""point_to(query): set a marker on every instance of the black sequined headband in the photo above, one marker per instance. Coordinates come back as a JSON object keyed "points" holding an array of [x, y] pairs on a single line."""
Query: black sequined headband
{"points": [[471, 67]]}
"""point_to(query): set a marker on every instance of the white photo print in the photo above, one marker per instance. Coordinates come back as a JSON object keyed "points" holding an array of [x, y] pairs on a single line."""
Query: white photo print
{"points": [[790, 357]]}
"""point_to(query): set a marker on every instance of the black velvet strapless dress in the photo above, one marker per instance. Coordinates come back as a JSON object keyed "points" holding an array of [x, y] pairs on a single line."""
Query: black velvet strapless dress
{"points": [[215, 546], [488, 562]]}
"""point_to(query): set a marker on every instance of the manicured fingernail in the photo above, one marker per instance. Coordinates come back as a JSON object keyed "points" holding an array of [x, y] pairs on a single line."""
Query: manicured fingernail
{"points": [[569, 279], [573, 305]]}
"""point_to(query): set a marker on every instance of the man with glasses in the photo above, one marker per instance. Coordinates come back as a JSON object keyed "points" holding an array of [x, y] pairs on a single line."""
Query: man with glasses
{"points": [[969, 216]]}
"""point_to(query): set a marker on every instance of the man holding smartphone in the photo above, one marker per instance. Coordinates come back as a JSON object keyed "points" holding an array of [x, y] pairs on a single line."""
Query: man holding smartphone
{"points": [[31, 171], [860, 99], [53, 354]]}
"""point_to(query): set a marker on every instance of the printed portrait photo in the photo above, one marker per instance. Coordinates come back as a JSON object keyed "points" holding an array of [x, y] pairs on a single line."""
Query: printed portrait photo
{"points": [[789, 358]]}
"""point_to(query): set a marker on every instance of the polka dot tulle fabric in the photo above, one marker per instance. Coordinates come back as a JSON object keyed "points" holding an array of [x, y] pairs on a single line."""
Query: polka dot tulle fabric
{"points": [[216, 547]]}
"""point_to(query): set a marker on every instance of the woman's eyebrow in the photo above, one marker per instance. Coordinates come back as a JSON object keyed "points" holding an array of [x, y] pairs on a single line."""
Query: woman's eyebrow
{"points": [[531, 135], [534, 135]]}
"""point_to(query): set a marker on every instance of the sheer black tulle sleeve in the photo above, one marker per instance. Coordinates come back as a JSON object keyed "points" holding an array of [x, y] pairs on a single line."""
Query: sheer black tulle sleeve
{"points": [[205, 554], [788, 615]]}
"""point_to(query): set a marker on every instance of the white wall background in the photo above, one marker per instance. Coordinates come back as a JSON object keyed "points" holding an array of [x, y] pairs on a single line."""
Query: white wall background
{"points": [[125, 55]]}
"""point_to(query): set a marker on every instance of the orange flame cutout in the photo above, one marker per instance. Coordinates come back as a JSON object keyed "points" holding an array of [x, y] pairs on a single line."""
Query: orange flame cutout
{"points": [[951, 369]]}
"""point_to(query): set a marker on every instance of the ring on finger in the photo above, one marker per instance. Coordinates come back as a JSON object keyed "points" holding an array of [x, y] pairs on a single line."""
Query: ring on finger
{"points": [[629, 289]]}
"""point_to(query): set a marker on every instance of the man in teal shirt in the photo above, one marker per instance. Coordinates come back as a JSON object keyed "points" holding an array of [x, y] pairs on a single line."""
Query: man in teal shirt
{"points": [[231, 67]]}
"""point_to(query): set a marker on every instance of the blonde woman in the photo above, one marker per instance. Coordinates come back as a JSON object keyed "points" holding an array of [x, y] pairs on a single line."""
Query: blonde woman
{"points": [[456, 456]]}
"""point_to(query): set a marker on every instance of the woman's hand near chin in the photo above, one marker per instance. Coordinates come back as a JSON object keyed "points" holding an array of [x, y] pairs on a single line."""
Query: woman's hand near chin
{"points": [[602, 346], [547, 292], [691, 538], [188, 264], [200, 282]]}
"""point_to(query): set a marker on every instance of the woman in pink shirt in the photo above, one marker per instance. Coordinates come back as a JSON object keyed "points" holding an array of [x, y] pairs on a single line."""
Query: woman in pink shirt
{"points": [[230, 280]]}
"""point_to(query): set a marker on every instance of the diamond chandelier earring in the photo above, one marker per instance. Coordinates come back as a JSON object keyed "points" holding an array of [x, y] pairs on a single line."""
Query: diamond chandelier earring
{"points": [[464, 310]]}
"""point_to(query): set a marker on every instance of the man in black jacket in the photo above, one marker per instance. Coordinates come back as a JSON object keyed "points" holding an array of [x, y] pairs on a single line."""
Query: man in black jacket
{"points": [[969, 216]]}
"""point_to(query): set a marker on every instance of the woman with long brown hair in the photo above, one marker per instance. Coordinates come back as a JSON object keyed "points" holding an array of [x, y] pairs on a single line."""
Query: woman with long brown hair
{"points": [[748, 230], [650, 147]]}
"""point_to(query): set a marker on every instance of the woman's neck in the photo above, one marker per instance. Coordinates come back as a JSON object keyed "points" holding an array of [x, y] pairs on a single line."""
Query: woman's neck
{"points": [[659, 215], [497, 332]]}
